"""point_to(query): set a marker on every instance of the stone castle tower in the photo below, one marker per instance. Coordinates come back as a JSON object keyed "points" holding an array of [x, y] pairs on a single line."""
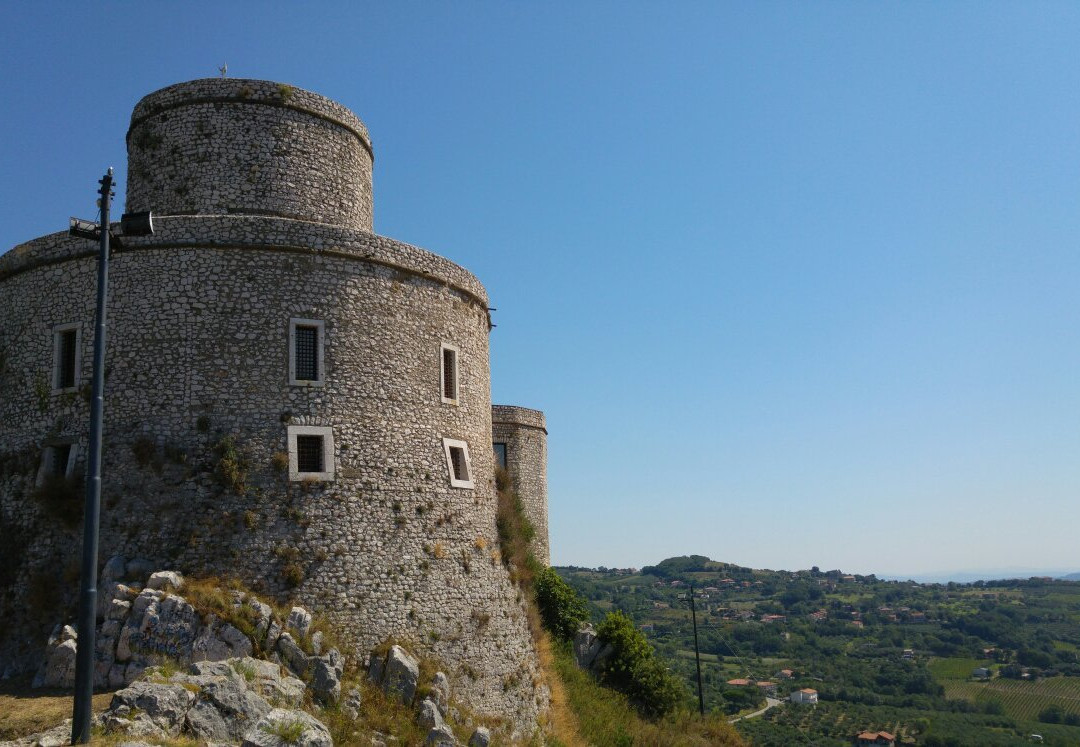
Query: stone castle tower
{"points": [[290, 398]]}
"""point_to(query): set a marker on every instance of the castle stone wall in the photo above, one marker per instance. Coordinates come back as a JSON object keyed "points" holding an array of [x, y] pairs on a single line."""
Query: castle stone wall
{"points": [[224, 145], [524, 432], [199, 404]]}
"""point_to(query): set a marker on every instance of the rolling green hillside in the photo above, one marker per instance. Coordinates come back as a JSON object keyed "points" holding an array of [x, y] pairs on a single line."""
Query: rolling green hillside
{"points": [[881, 654]]}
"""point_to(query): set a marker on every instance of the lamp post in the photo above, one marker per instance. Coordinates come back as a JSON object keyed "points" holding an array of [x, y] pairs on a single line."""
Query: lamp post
{"points": [[135, 224]]}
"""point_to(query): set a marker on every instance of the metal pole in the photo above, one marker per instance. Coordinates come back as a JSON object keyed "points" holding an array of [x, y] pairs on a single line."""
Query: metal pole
{"points": [[84, 652], [697, 654]]}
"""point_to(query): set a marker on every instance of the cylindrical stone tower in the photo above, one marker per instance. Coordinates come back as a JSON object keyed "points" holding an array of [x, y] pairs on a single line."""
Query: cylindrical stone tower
{"points": [[290, 399], [249, 147], [519, 437]]}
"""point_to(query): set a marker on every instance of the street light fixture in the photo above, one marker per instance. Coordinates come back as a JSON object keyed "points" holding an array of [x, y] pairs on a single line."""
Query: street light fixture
{"points": [[131, 224]]}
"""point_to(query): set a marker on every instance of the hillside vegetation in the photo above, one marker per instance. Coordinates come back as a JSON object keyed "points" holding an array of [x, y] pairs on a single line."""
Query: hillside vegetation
{"points": [[882, 655]]}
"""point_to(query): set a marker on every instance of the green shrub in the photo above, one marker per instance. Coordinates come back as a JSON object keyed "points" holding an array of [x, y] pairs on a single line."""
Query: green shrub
{"points": [[232, 464], [287, 731], [562, 610], [634, 669]]}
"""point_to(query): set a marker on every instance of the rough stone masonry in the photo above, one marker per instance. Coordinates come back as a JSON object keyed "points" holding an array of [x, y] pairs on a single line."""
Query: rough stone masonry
{"points": [[290, 398]]}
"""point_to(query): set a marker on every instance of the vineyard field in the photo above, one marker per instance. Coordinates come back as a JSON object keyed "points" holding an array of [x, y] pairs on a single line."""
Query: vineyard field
{"points": [[955, 668], [1021, 699]]}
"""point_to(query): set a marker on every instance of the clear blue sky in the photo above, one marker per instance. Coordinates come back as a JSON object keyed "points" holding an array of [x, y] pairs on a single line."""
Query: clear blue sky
{"points": [[795, 283]]}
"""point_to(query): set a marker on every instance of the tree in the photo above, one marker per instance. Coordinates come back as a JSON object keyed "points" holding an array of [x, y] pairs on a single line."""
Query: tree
{"points": [[634, 669], [562, 610]]}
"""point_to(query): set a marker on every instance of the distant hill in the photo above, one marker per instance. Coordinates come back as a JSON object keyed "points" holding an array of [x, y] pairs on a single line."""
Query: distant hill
{"points": [[1071, 577], [894, 653]]}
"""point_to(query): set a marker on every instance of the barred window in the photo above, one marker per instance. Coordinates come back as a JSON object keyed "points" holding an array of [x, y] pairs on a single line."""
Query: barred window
{"points": [[307, 365], [309, 453], [57, 461], [307, 353], [457, 462], [448, 374]]}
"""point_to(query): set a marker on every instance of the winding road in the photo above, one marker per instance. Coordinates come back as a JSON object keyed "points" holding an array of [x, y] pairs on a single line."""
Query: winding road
{"points": [[769, 703]]}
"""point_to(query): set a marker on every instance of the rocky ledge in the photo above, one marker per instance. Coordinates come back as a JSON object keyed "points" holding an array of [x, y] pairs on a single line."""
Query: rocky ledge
{"points": [[194, 675]]}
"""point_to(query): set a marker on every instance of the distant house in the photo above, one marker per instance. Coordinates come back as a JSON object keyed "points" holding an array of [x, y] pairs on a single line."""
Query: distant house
{"points": [[661, 605], [980, 673], [918, 617], [819, 615], [857, 623], [769, 688], [848, 578], [773, 618], [740, 682], [806, 696], [908, 655], [787, 674], [876, 737]]}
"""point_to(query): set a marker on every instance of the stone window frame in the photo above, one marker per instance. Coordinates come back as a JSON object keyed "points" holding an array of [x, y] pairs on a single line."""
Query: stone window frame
{"points": [[44, 472], [455, 353], [320, 351], [449, 444], [327, 433], [58, 330]]}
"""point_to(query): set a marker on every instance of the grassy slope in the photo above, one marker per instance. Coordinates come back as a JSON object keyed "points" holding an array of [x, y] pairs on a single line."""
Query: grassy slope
{"points": [[24, 711], [604, 717]]}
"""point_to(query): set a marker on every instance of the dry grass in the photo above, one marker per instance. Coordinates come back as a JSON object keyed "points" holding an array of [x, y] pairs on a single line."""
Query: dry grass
{"points": [[561, 718], [209, 595], [24, 711]]}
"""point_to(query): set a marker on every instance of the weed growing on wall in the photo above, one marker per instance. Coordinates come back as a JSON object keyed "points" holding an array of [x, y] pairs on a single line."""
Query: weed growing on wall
{"points": [[232, 464], [41, 391]]}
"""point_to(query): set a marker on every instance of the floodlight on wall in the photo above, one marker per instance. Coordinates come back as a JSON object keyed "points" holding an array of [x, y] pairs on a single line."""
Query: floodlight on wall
{"points": [[137, 224], [86, 229]]}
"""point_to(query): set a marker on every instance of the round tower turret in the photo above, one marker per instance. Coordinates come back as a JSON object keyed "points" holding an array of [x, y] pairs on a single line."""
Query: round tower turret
{"points": [[222, 146], [519, 436]]}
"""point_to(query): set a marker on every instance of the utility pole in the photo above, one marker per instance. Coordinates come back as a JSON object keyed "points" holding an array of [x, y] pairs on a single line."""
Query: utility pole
{"points": [[697, 653], [131, 224], [84, 651]]}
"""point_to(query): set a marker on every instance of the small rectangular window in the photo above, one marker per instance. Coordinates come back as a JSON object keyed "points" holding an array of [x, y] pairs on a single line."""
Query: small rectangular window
{"points": [[457, 462], [57, 461], [307, 366], [448, 376], [311, 452], [500, 455], [61, 453], [307, 353], [66, 357]]}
